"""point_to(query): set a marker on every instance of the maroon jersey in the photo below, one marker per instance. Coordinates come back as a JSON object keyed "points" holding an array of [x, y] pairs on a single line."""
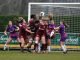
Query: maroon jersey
{"points": [[23, 27], [22, 31], [42, 30], [32, 25], [31, 22], [42, 27]]}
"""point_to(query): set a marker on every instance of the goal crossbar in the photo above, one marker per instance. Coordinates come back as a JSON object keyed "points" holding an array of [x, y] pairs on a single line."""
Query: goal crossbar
{"points": [[32, 3]]}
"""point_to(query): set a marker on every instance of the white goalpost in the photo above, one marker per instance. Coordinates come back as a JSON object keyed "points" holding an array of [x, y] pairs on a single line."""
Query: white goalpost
{"points": [[70, 12], [64, 5]]}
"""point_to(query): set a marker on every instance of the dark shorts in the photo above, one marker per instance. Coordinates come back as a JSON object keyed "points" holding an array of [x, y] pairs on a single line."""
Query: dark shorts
{"points": [[63, 37], [23, 36], [48, 37], [33, 35], [14, 36]]}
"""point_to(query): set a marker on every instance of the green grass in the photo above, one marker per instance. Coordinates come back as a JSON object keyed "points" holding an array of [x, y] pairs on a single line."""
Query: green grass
{"points": [[16, 55]]}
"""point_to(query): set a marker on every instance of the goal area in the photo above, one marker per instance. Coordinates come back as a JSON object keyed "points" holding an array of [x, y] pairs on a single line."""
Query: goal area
{"points": [[69, 12]]}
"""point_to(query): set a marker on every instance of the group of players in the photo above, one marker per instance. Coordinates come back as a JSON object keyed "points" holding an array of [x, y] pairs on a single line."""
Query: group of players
{"points": [[37, 32]]}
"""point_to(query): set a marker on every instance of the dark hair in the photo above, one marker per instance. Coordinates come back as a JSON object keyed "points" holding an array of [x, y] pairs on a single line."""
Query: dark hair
{"points": [[37, 21], [33, 16]]}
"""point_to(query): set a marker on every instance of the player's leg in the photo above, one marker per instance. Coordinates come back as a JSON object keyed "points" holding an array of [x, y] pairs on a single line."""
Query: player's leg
{"points": [[22, 44], [18, 39], [63, 46], [36, 46], [48, 42], [49, 45], [62, 43], [7, 42], [43, 40], [29, 41]]}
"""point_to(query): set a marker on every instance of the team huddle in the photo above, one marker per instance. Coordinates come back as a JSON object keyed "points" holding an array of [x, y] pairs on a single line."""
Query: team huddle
{"points": [[37, 32]]}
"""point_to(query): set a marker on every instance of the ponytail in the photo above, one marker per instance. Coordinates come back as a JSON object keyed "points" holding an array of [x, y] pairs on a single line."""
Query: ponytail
{"points": [[66, 25]]}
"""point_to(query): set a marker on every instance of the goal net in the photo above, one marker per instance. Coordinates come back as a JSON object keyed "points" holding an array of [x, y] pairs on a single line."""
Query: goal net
{"points": [[70, 12]]}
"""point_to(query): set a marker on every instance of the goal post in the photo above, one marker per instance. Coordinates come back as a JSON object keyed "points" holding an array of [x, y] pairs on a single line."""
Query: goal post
{"points": [[70, 12], [49, 4]]}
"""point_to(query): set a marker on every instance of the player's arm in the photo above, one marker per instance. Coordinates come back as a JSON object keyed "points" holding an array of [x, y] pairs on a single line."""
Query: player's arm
{"points": [[26, 28], [57, 28], [16, 28], [29, 31], [5, 32]]}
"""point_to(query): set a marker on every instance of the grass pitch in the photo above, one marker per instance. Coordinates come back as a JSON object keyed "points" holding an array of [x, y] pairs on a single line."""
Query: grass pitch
{"points": [[17, 55]]}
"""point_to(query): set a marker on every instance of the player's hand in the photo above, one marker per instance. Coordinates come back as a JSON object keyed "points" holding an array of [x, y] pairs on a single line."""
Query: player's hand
{"points": [[17, 29], [5, 33], [32, 32]]}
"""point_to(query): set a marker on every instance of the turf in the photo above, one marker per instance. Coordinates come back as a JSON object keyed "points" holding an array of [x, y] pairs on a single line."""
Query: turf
{"points": [[16, 55]]}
